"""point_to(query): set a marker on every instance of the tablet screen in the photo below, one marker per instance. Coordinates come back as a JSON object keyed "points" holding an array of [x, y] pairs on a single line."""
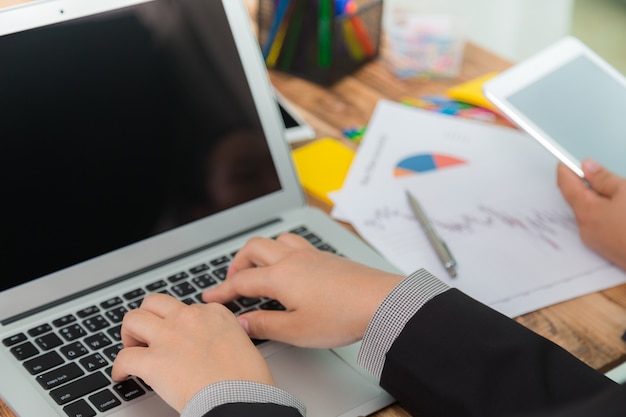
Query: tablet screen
{"points": [[582, 108]]}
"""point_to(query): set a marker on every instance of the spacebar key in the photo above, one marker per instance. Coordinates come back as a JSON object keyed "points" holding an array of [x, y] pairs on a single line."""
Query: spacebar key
{"points": [[78, 388]]}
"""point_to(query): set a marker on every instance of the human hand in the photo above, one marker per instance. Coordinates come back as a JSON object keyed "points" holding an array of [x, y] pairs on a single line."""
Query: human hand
{"points": [[600, 210], [330, 300], [179, 349]]}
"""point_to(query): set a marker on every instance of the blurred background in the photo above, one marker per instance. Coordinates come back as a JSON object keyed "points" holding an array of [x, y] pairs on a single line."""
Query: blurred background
{"points": [[515, 29], [601, 24]]}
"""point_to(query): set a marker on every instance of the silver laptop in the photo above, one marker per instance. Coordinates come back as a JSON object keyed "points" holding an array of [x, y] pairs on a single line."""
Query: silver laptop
{"points": [[141, 146]]}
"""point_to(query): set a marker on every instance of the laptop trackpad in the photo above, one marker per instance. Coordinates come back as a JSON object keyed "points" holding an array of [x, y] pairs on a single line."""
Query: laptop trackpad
{"points": [[326, 384]]}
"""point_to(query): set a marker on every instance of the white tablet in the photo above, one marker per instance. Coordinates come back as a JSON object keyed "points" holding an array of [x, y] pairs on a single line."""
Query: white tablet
{"points": [[570, 100]]}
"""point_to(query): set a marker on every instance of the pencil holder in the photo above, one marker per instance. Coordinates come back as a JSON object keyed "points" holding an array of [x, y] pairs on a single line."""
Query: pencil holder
{"points": [[319, 40]]}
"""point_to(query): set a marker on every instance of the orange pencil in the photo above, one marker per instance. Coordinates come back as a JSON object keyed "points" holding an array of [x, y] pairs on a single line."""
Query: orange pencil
{"points": [[360, 30]]}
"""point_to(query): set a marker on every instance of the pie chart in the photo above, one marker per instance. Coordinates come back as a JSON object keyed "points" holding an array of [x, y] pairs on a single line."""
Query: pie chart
{"points": [[419, 164]]}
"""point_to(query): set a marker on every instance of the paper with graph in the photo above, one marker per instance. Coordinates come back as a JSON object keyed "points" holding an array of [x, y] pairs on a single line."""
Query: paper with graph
{"points": [[490, 193]]}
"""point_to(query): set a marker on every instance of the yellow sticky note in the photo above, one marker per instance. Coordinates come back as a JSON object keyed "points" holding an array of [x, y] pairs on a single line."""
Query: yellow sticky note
{"points": [[322, 165], [471, 92]]}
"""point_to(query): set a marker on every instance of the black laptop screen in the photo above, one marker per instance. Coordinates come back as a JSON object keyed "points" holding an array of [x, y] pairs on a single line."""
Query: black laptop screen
{"points": [[117, 127]]}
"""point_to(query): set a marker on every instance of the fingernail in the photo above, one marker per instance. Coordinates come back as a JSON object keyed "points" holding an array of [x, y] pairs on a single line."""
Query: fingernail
{"points": [[231, 270], [590, 166], [244, 323]]}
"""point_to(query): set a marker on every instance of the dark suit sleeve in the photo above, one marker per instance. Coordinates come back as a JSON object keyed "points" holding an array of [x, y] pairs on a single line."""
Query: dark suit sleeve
{"points": [[458, 357], [253, 410]]}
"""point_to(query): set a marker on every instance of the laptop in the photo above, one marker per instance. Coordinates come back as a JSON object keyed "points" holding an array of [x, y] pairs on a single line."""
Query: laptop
{"points": [[141, 146]]}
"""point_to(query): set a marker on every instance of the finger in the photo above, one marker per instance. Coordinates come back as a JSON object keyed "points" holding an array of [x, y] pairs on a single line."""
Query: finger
{"points": [[258, 251], [162, 305], [128, 362], [572, 187], [138, 327], [253, 282], [603, 181], [294, 241], [273, 325]]}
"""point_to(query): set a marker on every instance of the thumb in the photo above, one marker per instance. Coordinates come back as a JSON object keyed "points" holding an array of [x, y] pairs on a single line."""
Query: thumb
{"points": [[603, 181]]}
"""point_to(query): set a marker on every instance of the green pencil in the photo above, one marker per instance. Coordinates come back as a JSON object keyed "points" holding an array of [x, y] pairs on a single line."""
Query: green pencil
{"points": [[324, 35]]}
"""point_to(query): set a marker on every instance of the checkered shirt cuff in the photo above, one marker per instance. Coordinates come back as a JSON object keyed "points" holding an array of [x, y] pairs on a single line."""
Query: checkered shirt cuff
{"points": [[228, 392], [395, 311]]}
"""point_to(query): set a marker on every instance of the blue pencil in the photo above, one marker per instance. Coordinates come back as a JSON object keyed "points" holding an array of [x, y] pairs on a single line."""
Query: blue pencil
{"points": [[281, 9], [340, 7]]}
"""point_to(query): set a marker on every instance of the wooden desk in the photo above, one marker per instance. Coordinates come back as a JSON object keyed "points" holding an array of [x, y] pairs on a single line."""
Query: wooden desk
{"points": [[590, 327]]}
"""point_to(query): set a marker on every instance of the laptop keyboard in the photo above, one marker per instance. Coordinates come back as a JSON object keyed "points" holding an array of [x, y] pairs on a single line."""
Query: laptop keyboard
{"points": [[71, 357]]}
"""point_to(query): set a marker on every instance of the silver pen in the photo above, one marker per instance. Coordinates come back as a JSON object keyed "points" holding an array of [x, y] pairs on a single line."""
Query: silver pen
{"points": [[438, 245]]}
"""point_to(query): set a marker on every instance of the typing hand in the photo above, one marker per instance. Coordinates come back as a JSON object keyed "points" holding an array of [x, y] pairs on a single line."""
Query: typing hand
{"points": [[329, 299], [179, 349], [600, 211]]}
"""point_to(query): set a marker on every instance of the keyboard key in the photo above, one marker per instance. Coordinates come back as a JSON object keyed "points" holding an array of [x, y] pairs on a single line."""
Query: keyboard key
{"points": [[96, 323], [117, 314], [134, 294], [248, 302], [72, 332], [115, 332], [56, 377], [24, 351], [200, 268], [232, 306], [135, 304], [204, 281], [49, 341], [43, 363], [87, 312], [97, 341], [183, 289], [111, 303], [188, 301], [78, 388], [112, 351], [74, 350], [79, 409], [313, 239], [156, 285], [177, 277], [93, 362], [220, 273], [272, 305], [327, 248], [129, 390], [44, 328], [13, 340], [220, 261], [104, 400], [63, 321], [299, 230]]}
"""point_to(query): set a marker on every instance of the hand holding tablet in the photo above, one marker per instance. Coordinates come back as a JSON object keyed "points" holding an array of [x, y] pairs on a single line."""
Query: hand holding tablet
{"points": [[570, 100]]}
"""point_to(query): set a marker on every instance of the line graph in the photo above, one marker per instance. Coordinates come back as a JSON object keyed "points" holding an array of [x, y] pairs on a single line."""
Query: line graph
{"points": [[543, 224]]}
